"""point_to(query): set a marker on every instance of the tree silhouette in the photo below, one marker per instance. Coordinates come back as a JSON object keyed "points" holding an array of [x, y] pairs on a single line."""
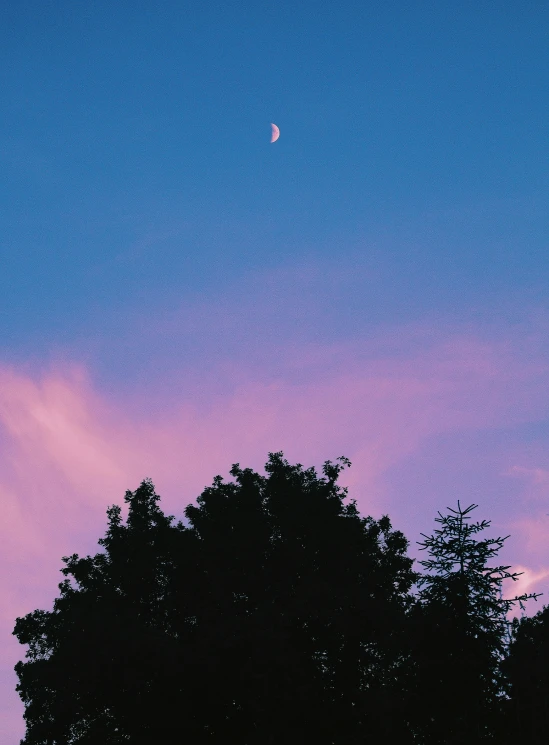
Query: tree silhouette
{"points": [[93, 657], [527, 670], [276, 614], [461, 631]]}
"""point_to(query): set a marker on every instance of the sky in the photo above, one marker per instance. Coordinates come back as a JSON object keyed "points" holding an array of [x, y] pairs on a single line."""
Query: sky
{"points": [[179, 294]]}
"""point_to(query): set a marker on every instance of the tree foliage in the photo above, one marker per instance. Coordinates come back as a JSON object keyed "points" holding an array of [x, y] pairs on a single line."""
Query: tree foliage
{"points": [[277, 613], [526, 667], [461, 632]]}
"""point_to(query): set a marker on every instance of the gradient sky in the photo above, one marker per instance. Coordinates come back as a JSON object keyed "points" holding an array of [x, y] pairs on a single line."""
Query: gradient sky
{"points": [[178, 294]]}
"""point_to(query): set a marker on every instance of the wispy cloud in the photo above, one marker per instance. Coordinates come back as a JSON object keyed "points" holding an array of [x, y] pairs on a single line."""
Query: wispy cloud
{"points": [[71, 450], [530, 580], [535, 480]]}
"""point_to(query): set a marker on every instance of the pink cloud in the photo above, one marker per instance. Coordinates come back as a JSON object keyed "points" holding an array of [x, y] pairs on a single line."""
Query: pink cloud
{"points": [[71, 451], [530, 580], [534, 483], [58, 423], [537, 476], [532, 532]]}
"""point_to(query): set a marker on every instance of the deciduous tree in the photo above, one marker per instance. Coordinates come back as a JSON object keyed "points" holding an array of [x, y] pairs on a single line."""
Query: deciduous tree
{"points": [[276, 614], [527, 672]]}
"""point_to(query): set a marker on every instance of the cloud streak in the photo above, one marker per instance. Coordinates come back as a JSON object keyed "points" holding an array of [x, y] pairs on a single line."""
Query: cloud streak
{"points": [[71, 450]]}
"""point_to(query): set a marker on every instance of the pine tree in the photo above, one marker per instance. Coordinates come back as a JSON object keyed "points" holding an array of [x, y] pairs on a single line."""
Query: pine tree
{"points": [[461, 632]]}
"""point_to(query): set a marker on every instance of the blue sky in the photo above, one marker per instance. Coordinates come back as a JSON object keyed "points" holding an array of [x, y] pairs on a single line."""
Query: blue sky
{"points": [[179, 294], [135, 151]]}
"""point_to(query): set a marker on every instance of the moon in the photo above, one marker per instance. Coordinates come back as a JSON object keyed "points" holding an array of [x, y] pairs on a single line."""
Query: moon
{"points": [[275, 133]]}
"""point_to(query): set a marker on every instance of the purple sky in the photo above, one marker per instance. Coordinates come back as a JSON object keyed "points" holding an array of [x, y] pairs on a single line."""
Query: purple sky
{"points": [[180, 295]]}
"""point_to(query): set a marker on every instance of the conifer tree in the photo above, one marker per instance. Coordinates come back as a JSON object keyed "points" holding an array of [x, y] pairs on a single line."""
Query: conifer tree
{"points": [[461, 633]]}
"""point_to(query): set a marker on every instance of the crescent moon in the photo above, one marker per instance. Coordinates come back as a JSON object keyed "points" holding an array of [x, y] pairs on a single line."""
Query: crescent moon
{"points": [[275, 133]]}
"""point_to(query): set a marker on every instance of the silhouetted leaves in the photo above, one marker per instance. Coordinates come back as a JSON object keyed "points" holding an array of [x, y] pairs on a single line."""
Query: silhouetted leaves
{"points": [[277, 614], [460, 626], [527, 671]]}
